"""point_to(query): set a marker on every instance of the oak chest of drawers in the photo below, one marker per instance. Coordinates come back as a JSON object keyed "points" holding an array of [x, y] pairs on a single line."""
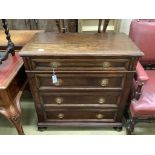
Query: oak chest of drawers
{"points": [[94, 74]]}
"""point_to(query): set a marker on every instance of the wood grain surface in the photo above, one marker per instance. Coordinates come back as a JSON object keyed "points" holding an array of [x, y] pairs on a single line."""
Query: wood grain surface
{"points": [[107, 44]]}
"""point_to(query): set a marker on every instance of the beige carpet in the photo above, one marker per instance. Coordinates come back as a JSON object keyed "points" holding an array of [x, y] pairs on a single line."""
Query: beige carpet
{"points": [[30, 128]]}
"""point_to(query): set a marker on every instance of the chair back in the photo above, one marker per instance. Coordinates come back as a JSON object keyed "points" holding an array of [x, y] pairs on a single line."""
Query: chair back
{"points": [[142, 33]]}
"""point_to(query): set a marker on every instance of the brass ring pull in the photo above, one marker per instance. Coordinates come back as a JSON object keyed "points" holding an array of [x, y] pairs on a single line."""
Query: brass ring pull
{"points": [[99, 116], [106, 64], [60, 115], [104, 82], [58, 83], [58, 100], [101, 100], [55, 64]]}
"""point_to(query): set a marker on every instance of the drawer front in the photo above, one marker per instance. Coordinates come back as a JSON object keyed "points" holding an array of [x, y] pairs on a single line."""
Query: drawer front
{"points": [[79, 64], [81, 80], [94, 114], [62, 99]]}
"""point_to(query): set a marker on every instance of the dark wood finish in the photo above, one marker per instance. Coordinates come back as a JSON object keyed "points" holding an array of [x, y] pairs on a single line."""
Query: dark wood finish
{"points": [[95, 72], [10, 93], [32, 24], [105, 25], [97, 115], [105, 98], [68, 25], [80, 64], [10, 45], [12, 82], [61, 25], [85, 45], [101, 80]]}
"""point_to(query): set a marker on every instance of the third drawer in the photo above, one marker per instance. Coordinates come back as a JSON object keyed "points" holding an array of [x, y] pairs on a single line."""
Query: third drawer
{"points": [[67, 99]]}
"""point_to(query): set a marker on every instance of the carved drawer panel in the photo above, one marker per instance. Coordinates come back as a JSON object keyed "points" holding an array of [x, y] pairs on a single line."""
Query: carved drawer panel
{"points": [[77, 114], [66, 99], [81, 80], [62, 64]]}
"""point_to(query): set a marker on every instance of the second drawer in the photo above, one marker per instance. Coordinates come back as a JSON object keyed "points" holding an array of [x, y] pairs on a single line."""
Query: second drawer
{"points": [[78, 80]]}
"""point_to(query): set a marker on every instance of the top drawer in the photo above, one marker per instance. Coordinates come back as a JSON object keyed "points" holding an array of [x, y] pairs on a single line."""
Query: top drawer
{"points": [[71, 64]]}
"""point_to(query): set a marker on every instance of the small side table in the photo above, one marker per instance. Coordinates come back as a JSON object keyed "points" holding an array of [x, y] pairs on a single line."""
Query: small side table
{"points": [[12, 83]]}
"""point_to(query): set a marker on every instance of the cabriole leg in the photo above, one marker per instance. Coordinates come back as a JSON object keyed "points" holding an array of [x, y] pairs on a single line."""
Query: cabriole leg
{"points": [[14, 116]]}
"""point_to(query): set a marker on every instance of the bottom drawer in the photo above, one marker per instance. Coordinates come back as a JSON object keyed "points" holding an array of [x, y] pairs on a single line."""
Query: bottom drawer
{"points": [[63, 114]]}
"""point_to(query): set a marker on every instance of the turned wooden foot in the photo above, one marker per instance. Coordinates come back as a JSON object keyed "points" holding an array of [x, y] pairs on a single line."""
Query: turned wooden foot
{"points": [[130, 126], [14, 116]]}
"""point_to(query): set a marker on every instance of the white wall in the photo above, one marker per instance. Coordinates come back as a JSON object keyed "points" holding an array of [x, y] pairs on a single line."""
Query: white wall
{"points": [[125, 25]]}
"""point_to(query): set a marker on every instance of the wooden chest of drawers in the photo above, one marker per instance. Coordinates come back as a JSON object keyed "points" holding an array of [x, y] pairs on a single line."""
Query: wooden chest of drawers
{"points": [[94, 73]]}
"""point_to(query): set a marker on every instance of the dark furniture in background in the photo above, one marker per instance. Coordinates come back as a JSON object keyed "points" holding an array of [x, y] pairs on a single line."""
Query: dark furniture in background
{"points": [[67, 25], [31, 24], [94, 79], [50, 25], [72, 25], [142, 107], [19, 38]]}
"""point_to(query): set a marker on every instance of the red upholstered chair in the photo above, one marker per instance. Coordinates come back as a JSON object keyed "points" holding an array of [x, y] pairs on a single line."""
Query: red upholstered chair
{"points": [[142, 107]]}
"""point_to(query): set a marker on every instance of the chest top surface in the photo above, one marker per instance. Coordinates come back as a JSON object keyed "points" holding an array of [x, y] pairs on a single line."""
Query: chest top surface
{"points": [[78, 44]]}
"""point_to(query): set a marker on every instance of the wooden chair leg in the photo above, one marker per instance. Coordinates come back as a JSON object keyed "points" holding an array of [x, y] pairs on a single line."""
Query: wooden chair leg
{"points": [[130, 126], [61, 25], [99, 25], [62, 22], [58, 25], [106, 22]]}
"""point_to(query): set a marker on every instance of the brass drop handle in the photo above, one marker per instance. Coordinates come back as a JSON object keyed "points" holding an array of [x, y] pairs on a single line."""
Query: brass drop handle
{"points": [[99, 116], [58, 100], [101, 100], [104, 82], [55, 64], [59, 83], [60, 115], [106, 64]]}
